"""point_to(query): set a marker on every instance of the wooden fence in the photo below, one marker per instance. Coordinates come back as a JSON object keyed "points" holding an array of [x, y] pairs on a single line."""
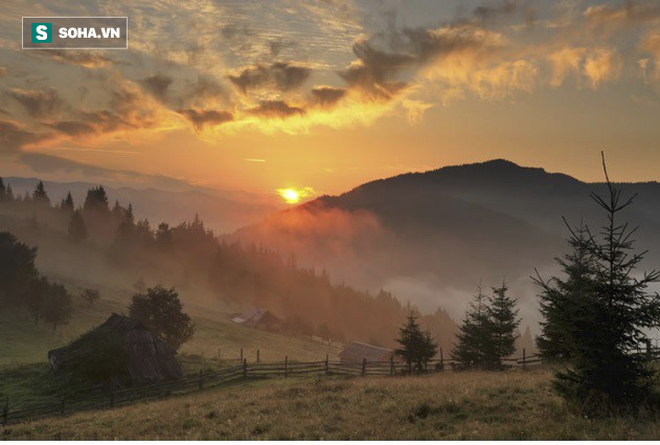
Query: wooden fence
{"points": [[113, 398]]}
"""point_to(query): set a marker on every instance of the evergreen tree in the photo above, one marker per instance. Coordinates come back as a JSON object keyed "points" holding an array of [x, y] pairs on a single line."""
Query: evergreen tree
{"points": [[96, 201], [67, 203], [39, 196], [559, 295], [606, 325], [9, 194], [474, 343], [33, 223], [417, 347], [503, 325], [3, 191], [77, 229]]}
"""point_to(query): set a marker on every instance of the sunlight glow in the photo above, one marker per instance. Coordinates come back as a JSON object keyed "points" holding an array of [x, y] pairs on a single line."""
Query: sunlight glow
{"points": [[291, 196]]}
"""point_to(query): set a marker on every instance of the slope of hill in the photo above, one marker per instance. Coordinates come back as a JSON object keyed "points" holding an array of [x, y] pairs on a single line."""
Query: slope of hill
{"points": [[432, 236], [447, 406]]}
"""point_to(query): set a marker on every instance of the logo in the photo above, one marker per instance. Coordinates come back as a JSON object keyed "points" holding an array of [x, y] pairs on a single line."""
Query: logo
{"points": [[74, 32], [42, 33]]}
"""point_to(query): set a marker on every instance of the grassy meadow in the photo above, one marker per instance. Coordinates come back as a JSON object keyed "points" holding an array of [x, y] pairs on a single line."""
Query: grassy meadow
{"points": [[469, 405]]}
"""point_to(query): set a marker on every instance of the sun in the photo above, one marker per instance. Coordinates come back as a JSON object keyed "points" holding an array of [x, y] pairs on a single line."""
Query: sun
{"points": [[291, 196]]}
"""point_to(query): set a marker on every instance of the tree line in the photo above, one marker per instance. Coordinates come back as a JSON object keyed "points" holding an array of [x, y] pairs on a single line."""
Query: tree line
{"points": [[190, 254]]}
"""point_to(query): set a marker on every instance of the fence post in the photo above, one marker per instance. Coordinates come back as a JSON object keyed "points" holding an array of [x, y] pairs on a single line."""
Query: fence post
{"points": [[244, 367], [5, 411], [62, 400], [364, 366], [524, 360], [258, 358], [241, 355], [391, 364], [327, 363], [286, 366], [442, 361]]}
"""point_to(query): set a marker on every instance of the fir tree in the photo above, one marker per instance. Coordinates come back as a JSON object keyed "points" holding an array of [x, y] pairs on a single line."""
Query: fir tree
{"points": [[503, 325], [606, 325], [77, 229], [67, 203], [472, 349], [96, 201], [39, 196], [9, 194], [559, 295], [417, 347]]}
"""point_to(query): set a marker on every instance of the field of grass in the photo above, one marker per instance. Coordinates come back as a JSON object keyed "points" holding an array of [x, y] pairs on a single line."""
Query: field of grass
{"points": [[470, 405]]}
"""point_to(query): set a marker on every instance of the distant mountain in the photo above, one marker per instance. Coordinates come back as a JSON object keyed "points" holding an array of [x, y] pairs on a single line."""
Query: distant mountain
{"points": [[222, 211], [431, 237]]}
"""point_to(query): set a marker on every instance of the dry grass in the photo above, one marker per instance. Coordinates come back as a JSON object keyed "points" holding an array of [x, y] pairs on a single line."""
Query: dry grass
{"points": [[512, 405]]}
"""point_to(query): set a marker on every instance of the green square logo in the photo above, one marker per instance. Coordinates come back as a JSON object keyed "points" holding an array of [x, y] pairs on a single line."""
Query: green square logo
{"points": [[42, 32]]}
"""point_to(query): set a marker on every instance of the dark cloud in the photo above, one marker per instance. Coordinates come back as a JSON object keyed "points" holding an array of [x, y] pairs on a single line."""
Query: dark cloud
{"points": [[38, 103], [157, 85], [326, 96], [490, 10], [13, 137], [202, 118], [86, 58], [375, 73], [283, 76], [429, 45], [74, 128], [275, 109]]}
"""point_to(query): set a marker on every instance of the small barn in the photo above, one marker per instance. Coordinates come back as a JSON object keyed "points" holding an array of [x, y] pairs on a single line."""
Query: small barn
{"points": [[149, 358], [356, 352], [258, 318]]}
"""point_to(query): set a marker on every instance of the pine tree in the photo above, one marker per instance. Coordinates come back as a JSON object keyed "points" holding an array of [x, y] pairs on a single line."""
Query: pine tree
{"points": [[503, 324], [96, 201], [67, 203], [472, 349], [3, 191], [9, 194], [606, 325], [417, 347], [77, 229], [39, 196], [558, 296]]}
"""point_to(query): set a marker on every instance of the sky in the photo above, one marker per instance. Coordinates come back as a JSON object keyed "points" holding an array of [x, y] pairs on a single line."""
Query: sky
{"points": [[320, 96]]}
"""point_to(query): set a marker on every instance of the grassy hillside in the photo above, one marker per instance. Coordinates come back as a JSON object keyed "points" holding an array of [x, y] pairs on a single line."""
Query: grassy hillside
{"points": [[513, 405], [25, 343]]}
